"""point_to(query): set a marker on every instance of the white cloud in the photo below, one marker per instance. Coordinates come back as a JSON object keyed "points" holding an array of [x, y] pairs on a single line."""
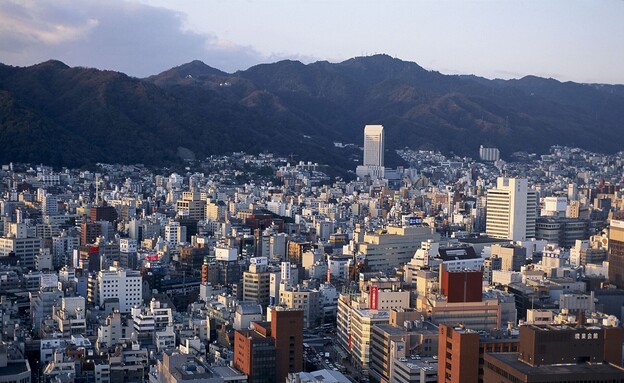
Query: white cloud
{"points": [[133, 38]]}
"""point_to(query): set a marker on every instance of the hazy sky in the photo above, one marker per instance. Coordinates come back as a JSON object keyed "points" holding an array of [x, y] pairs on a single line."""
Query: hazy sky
{"points": [[573, 40]]}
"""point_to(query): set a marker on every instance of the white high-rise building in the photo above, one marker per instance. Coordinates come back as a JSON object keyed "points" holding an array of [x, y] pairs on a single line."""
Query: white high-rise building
{"points": [[373, 164], [174, 233], [511, 210], [373, 145], [125, 285]]}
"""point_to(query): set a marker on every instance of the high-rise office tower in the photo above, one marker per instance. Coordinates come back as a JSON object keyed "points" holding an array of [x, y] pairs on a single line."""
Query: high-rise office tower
{"points": [[511, 210], [373, 164], [373, 145], [616, 253]]}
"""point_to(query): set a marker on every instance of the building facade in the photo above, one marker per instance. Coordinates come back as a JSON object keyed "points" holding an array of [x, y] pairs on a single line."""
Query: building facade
{"points": [[511, 210]]}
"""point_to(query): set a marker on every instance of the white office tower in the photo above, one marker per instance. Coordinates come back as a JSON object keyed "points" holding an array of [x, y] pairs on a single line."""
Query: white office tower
{"points": [[373, 164], [511, 210], [119, 284], [174, 233], [373, 145]]}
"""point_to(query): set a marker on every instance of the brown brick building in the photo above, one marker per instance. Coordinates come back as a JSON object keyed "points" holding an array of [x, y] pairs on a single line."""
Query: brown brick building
{"points": [[560, 353], [271, 350], [462, 286], [287, 329], [254, 353], [461, 352], [89, 232], [103, 213]]}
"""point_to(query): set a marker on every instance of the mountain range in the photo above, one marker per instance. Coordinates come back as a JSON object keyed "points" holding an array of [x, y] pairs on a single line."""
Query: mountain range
{"points": [[53, 114]]}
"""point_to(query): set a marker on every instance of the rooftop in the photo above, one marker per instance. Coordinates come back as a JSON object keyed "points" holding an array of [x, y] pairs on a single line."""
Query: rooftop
{"points": [[484, 240], [13, 368], [417, 363], [594, 370], [425, 328], [225, 372], [373, 314]]}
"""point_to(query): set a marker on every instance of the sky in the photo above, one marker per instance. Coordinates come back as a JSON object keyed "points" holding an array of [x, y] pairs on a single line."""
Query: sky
{"points": [[569, 40]]}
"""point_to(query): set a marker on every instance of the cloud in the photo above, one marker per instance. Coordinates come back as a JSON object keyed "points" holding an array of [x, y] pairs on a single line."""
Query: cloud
{"points": [[133, 38]]}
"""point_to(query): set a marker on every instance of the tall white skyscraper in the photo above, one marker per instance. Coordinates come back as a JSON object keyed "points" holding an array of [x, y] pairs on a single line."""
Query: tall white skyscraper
{"points": [[373, 165], [511, 210], [373, 145]]}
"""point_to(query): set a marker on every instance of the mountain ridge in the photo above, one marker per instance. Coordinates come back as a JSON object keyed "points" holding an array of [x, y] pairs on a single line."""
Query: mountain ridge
{"points": [[291, 107]]}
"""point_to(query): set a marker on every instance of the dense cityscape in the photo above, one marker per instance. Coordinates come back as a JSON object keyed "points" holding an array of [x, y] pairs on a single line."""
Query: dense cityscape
{"points": [[261, 268]]}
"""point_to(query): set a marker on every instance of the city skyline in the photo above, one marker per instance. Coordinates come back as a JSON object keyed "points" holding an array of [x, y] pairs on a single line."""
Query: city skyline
{"points": [[569, 41], [221, 269], [355, 212]]}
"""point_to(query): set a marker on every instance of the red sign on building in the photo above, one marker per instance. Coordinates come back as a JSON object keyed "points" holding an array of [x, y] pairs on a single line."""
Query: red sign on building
{"points": [[373, 297]]}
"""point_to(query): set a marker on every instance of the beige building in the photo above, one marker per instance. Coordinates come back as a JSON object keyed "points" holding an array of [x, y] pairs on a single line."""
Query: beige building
{"points": [[484, 315], [512, 257], [257, 284], [215, 210], [355, 318], [394, 246], [305, 300], [70, 316], [362, 322], [406, 335], [191, 205]]}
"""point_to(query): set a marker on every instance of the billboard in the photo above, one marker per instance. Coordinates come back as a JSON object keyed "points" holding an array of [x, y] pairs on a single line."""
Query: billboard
{"points": [[373, 297]]}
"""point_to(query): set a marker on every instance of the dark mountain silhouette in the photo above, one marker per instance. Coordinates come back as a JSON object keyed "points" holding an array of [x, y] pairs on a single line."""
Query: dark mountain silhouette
{"points": [[55, 114]]}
